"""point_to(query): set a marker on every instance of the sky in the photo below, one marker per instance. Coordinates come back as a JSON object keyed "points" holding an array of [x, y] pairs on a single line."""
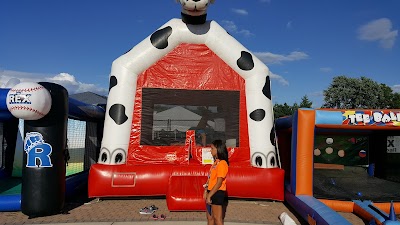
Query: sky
{"points": [[304, 43]]}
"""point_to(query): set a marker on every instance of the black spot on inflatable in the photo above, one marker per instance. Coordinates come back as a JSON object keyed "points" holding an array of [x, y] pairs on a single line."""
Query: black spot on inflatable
{"points": [[104, 157], [113, 82], [267, 88], [159, 39], [272, 136], [117, 113], [271, 159], [118, 158], [259, 161], [245, 62], [272, 162], [257, 115]]}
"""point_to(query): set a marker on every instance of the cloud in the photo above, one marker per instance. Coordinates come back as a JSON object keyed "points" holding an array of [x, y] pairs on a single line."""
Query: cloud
{"points": [[317, 98], [271, 58], [316, 94], [279, 78], [379, 30], [66, 80], [396, 88], [325, 69], [231, 27], [73, 86], [240, 12]]}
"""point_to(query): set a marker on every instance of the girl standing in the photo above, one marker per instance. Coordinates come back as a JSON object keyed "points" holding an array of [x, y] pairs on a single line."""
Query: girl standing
{"points": [[215, 191]]}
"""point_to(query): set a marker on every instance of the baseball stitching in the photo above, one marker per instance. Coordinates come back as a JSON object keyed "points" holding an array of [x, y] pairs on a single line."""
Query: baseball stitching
{"points": [[26, 108], [28, 89]]}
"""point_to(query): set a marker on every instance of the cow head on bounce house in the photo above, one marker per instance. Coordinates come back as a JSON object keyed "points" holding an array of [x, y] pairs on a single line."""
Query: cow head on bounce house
{"points": [[194, 11]]}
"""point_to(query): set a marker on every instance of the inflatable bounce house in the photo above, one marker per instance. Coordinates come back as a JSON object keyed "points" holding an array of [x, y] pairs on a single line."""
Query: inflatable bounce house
{"points": [[170, 96], [46, 137], [342, 161]]}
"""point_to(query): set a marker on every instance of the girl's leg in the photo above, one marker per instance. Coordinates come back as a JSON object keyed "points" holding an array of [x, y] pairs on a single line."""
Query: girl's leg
{"points": [[217, 214], [210, 219], [224, 206]]}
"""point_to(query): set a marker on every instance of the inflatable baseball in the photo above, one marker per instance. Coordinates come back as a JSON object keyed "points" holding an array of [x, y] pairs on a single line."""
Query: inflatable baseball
{"points": [[29, 101]]}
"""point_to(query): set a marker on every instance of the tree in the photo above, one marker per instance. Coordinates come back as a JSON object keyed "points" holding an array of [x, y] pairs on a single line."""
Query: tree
{"points": [[282, 110], [387, 96], [358, 93], [305, 102], [395, 102], [287, 110]]}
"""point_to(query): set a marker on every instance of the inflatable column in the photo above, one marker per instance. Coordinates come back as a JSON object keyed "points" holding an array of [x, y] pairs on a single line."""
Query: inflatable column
{"points": [[43, 173]]}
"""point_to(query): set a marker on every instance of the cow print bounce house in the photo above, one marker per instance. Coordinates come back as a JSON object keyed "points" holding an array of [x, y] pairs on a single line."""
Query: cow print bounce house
{"points": [[170, 96]]}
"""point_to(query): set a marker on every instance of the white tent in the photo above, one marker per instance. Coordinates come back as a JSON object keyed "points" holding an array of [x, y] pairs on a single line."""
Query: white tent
{"points": [[177, 118]]}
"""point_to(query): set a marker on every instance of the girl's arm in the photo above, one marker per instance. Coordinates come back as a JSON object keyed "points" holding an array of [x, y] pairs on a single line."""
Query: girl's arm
{"points": [[215, 189]]}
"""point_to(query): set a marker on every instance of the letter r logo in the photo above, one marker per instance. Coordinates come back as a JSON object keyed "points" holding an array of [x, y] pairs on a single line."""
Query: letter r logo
{"points": [[37, 151], [42, 153]]}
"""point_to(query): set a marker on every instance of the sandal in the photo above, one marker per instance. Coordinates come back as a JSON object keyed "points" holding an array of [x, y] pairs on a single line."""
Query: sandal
{"points": [[154, 217], [162, 217]]}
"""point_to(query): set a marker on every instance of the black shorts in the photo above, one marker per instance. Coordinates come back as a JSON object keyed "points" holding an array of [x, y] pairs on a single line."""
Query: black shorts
{"points": [[219, 198]]}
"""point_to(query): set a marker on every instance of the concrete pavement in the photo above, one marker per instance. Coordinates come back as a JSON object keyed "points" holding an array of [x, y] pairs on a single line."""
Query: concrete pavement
{"points": [[126, 212], [154, 223]]}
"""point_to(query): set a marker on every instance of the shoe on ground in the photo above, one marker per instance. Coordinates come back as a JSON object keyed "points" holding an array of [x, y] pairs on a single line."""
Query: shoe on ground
{"points": [[146, 211]]}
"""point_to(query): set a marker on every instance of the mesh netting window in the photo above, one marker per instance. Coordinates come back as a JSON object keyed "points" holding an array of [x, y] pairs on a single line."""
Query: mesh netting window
{"points": [[76, 131], [83, 145], [212, 114]]}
